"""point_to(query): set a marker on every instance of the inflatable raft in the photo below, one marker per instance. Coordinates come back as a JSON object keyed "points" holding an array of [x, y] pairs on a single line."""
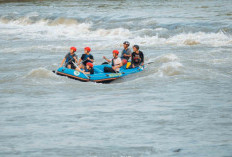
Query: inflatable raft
{"points": [[99, 76]]}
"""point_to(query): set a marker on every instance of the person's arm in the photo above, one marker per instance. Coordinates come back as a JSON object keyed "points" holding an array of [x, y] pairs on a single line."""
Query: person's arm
{"points": [[90, 59], [128, 54], [142, 59], [78, 69], [90, 72], [62, 63], [79, 61], [108, 60], [75, 58], [118, 66], [132, 60]]}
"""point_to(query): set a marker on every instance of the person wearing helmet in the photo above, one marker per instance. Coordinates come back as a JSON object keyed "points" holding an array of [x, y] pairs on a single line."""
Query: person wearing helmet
{"points": [[126, 52], [85, 58], [137, 57], [116, 63], [88, 69], [70, 58]]}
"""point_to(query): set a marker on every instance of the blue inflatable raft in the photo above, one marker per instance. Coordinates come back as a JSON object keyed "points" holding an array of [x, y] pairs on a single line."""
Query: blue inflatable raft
{"points": [[99, 76]]}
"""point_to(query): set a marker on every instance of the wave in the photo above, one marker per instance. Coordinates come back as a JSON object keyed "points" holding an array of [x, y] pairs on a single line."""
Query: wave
{"points": [[166, 58], [41, 73], [169, 65], [216, 39], [33, 18], [170, 69], [36, 27]]}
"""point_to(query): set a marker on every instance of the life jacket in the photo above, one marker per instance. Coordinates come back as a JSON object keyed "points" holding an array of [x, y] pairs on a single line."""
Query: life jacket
{"points": [[87, 70], [112, 62], [86, 56], [70, 58]]}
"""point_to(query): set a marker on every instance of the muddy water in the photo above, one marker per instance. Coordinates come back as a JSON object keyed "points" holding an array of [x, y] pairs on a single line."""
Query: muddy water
{"points": [[179, 106]]}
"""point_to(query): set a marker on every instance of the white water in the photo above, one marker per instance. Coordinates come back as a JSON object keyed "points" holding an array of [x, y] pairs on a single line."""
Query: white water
{"points": [[180, 105]]}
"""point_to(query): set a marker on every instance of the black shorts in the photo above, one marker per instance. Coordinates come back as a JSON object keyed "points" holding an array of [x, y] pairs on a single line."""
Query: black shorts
{"points": [[109, 70], [72, 66]]}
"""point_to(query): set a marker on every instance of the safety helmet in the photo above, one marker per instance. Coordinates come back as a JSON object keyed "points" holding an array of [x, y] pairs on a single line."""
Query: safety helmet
{"points": [[73, 48], [116, 51], [127, 43], [90, 64], [88, 49]]}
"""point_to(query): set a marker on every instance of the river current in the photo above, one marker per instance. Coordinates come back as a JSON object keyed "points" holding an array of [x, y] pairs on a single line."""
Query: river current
{"points": [[180, 105]]}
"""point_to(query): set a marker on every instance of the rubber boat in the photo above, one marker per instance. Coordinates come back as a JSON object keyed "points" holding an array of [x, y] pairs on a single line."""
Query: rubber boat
{"points": [[99, 76]]}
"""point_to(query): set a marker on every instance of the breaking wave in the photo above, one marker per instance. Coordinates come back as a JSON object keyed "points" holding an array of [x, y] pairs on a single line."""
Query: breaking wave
{"points": [[35, 27], [33, 19], [169, 65], [170, 69], [41, 73]]}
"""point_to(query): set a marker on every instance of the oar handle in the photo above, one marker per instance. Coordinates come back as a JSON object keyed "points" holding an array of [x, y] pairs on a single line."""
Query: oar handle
{"points": [[78, 67]]}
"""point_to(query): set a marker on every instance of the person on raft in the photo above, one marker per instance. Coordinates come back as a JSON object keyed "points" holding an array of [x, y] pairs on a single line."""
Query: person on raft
{"points": [[70, 58], [116, 63], [126, 52], [137, 57], [88, 69], [85, 58]]}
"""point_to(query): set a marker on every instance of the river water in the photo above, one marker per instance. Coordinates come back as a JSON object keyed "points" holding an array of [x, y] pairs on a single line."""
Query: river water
{"points": [[180, 105]]}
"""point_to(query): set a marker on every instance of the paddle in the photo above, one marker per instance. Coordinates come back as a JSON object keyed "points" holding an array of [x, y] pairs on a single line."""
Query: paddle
{"points": [[78, 67], [149, 63], [105, 63]]}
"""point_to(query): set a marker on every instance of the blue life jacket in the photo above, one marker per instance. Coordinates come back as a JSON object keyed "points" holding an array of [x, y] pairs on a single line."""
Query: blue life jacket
{"points": [[70, 58], [86, 56]]}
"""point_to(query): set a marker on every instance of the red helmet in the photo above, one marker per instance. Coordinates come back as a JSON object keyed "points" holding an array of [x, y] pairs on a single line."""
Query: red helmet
{"points": [[88, 49], [90, 64], [116, 51], [73, 48], [124, 61]]}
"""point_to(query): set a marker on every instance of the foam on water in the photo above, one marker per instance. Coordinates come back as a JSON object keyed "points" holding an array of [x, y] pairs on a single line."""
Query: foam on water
{"points": [[213, 39], [170, 69], [67, 28], [41, 73], [180, 105], [166, 58]]}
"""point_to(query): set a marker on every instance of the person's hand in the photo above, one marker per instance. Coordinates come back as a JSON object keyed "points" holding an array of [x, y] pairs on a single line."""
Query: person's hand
{"points": [[88, 58], [142, 64], [104, 57], [133, 66], [114, 68]]}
